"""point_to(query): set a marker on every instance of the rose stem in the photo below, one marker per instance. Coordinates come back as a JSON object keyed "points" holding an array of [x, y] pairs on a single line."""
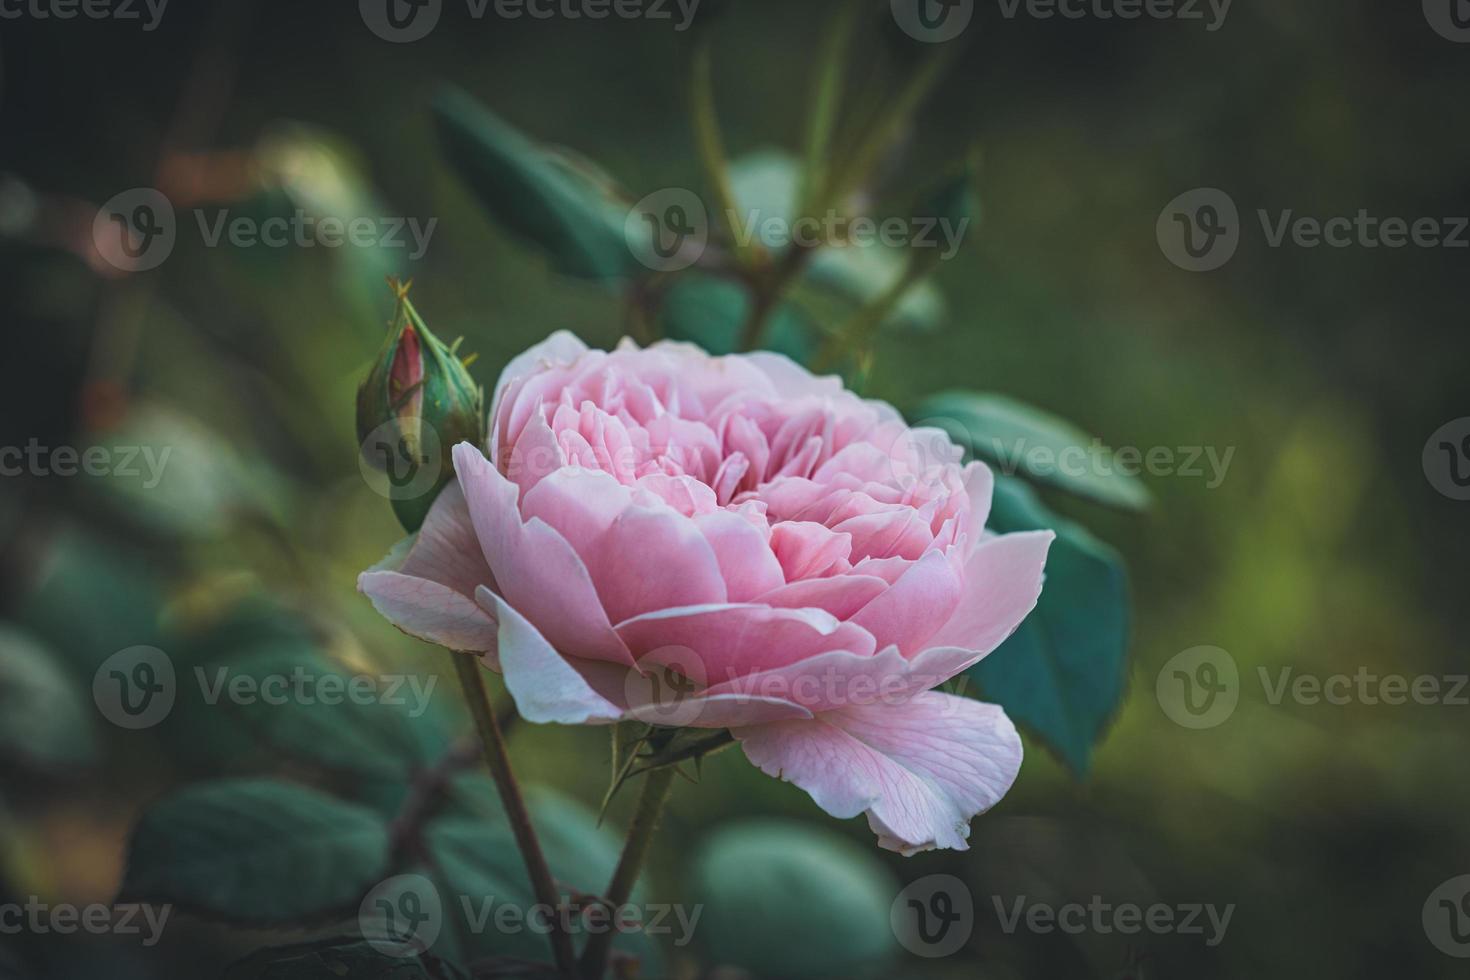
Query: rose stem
{"points": [[467, 665], [640, 833]]}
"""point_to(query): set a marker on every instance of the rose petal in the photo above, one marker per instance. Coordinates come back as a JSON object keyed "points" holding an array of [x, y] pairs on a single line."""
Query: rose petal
{"points": [[1002, 583], [539, 572], [920, 770], [546, 688]]}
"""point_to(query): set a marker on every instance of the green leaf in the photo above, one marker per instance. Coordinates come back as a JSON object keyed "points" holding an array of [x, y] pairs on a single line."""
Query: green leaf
{"points": [[44, 723], [1021, 439], [256, 850], [189, 481], [546, 198], [341, 958], [324, 724], [789, 900], [91, 600], [1061, 675]]}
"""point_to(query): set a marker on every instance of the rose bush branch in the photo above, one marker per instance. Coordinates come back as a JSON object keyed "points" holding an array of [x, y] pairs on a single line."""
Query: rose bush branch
{"points": [[651, 801], [497, 759]]}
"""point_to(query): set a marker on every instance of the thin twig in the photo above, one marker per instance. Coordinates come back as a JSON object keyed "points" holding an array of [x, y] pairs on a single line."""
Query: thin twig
{"points": [[630, 863], [498, 760]]}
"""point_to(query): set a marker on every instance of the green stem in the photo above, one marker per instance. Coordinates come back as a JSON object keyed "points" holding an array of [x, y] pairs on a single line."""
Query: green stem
{"points": [[498, 760], [826, 93], [880, 134], [711, 147], [635, 848]]}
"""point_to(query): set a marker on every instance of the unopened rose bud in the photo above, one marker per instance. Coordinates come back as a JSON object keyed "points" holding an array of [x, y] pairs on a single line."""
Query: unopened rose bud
{"points": [[417, 403]]}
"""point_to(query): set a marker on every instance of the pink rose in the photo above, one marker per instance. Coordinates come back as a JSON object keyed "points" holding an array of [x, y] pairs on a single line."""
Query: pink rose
{"points": [[792, 562]]}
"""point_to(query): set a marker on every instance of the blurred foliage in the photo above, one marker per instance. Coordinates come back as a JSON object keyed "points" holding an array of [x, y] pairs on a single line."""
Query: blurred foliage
{"points": [[1324, 548]]}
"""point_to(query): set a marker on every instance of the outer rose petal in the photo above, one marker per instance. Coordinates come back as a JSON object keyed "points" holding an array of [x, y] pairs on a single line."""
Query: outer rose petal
{"points": [[540, 574], [426, 587], [920, 770], [431, 612], [545, 686]]}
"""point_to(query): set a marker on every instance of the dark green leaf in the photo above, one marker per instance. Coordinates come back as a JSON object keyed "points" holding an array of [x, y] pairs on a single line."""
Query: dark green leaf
{"points": [[1020, 439], [789, 900], [1061, 674], [539, 195], [322, 722], [343, 958], [44, 723], [256, 850]]}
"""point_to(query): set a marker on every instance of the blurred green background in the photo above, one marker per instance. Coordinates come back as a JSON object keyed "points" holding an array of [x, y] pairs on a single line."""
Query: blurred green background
{"points": [[1325, 548]]}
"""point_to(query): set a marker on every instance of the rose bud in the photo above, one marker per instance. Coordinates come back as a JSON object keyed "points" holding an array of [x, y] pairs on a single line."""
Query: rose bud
{"points": [[415, 405]]}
